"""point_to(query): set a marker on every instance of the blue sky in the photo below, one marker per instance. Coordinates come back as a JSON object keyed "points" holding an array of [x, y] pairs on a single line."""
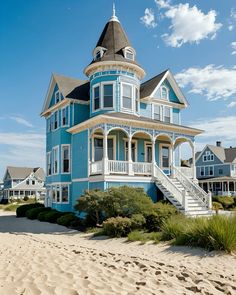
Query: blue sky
{"points": [[195, 39]]}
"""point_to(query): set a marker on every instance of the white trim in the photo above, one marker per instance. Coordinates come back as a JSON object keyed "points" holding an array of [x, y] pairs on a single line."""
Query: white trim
{"points": [[171, 114], [126, 110], [80, 179], [120, 178], [136, 148], [93, 104], [146, 144], [55, 186], [167, 92], [101, 96], [131, 50], [161, 145], [204, 170], [62, 160], [53, 161], [101, 137], [68, 119]]}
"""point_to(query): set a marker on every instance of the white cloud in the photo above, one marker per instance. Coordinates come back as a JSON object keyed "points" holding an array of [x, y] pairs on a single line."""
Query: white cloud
{"points": [[21, 121], [233, 13], [232, 104], [230, 28], [149, 18], [188, 24], [233, 45], [21, 149], [219, 128], [212, 81]]}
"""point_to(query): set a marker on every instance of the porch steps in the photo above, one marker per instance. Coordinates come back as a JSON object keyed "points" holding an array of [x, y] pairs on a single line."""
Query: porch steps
{"points": [[195, 207]]}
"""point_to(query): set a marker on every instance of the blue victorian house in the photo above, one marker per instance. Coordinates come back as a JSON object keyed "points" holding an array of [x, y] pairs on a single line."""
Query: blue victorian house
{"points": [[113, 129]]}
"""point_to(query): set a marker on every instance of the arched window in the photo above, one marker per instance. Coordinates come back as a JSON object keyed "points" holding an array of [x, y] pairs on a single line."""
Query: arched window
{"points": [[164, 93], [98, 52], [129, 53]]}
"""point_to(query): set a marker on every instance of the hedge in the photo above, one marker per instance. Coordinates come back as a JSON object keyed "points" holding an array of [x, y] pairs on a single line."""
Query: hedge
{"points": [[21, 211], [33, 213]]}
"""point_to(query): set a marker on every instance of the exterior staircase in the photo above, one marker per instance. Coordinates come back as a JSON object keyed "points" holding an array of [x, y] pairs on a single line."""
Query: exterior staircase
{"points": [[183, 193]]}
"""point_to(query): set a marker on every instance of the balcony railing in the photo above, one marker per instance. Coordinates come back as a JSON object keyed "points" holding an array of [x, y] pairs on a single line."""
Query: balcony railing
{"points": [[118, 167], [142, 168], [187, 171]]}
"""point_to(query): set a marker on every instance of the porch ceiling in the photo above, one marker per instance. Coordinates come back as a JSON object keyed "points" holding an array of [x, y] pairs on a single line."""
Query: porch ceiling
{"points": [[134, 121]]}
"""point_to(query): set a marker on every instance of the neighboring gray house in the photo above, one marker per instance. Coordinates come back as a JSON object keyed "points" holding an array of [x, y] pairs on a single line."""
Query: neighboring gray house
{"points": [[20, 182], [216, 169]]}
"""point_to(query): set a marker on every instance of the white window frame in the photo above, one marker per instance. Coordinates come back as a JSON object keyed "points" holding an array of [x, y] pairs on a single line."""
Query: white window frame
{"points": [[65, 184], [161, 145], [131, 51], [56, 93], [136, 99], [62, 160], [146, 144], [53, 120], [203, 168], [132, 98], [102, 95], [48, 161], [167, 93], [108, 137], [163, 114], [136, 150], [53, 160], [67, 125], [207, 154], [161, 111]]}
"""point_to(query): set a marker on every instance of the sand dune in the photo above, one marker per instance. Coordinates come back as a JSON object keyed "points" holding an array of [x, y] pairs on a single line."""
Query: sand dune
{"points": [[41, 258]]}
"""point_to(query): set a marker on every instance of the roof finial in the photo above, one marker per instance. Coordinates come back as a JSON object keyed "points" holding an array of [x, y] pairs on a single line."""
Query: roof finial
{"points": [[114, 17]]}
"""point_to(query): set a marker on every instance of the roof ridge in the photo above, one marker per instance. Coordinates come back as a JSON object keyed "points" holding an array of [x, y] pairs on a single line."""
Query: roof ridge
{"points": [[162, 73]]}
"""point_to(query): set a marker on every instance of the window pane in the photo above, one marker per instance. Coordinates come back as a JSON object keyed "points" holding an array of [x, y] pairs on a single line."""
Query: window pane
{"points": [[127, 90], [167, 115], [165, 157], [164, 93], [96, 98], [66, 159], [157, 112], [64, 194], [127, 103], [110, 149], [108, 96]]}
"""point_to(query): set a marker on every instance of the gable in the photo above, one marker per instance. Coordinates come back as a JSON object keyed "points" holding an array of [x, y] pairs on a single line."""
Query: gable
{"points": [[172, 97], [52, 98], [207, 152]]}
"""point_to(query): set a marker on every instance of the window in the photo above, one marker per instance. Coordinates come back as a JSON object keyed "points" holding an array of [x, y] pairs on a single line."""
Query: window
{"points": [[202, 171], [64, 194], [57, 96], [53, 195], [65, 158], [165, 157], [129, 54], [108, 96], [136, 100], [127, 96], [27, 182], [96, 98], [57, 193], [98, 149], [207, 170], [211, 170], [220, 171], [49, 171], [208, 156], [65, 116], [48, 124], [164, 93], [55, 160], [33, 182], [133, 150], [156, 112], [167, 114], [98, 55], [54, 121]]}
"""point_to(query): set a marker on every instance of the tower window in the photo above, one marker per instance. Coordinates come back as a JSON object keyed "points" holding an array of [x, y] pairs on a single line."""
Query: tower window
{"points": [[129, 53], [127, 96], [96, 98], [108, 96]]}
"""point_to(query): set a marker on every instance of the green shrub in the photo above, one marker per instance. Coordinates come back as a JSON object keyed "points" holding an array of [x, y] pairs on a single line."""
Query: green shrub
{"points": [[33, 213], [137, 221], [217, 206], [143, 237], [21, 211], [153, 222], [227, 202], [117, 226], [26, 198], [41, 215], [67, 219], [172, 227], [52, 216]]}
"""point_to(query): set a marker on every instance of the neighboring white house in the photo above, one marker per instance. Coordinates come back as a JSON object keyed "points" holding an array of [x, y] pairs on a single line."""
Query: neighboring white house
{"points": [[20, 182]]}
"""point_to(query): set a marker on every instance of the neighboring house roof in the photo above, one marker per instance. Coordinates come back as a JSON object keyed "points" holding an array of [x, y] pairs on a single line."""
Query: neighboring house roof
{"points": [[225, 155], [148, 86], [113, 39], [23, 172]]}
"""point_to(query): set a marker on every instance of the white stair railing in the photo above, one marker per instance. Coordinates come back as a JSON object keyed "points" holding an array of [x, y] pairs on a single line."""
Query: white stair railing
{"points": [[170, 186], [193, 188]]}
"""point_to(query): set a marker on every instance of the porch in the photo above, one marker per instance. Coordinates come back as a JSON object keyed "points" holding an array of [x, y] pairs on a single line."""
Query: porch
{"points": [[119, 151], [220, 186]]}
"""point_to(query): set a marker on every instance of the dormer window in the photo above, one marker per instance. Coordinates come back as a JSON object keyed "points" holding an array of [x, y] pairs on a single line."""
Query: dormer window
{"points": [[164, 93], [98, 53], [129, 53]]}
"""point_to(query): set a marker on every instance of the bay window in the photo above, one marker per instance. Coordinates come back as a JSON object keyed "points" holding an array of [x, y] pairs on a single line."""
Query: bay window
{"points": [[65, 116], [64, 193], [96, 98], [49, 171], [127, 96], [55, 167], [157, 112], [108, 95], [167, 115]]}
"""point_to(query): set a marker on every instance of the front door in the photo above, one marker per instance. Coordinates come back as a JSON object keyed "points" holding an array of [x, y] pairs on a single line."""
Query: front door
{"points": [[148, 152], [165, 158]]}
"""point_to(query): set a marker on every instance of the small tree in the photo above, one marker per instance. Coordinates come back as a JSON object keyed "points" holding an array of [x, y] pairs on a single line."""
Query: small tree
{"points": [[91, 203]]}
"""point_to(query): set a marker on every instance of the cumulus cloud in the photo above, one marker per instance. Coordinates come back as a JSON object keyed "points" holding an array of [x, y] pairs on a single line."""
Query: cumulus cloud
{"points": [[233, 13], [188, 24], [212, 81], [232, 104], [233, 45], [149, 18], [230, 28], [219, 128], [21, 121]]}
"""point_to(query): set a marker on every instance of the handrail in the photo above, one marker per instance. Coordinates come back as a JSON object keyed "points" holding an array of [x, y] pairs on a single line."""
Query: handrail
{"points": [[170, 186], [193, 188]]}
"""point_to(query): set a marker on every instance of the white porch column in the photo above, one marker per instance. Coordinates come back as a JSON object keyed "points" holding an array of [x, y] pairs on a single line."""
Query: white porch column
{"points": [[194, 161], [153, 156], [105, 154], [130, 162], [172, 174]]}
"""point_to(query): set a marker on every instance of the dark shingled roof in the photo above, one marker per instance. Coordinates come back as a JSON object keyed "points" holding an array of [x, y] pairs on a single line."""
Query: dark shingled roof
{"points": [[148, 86], [73, 88], [114, 39], [230, 154]]}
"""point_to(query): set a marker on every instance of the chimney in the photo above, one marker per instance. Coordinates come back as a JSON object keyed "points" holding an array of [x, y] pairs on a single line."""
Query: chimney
{"points": [[218, 143]]}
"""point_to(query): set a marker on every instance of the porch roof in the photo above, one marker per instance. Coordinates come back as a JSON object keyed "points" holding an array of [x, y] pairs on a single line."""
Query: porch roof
{"points": [[218, 179], [133, 120]]}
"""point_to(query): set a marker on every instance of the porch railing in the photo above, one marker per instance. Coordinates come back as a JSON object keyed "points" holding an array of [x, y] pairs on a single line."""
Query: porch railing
{"points": [[96, 167], [142, 168], [120, 167], [187, 171]]}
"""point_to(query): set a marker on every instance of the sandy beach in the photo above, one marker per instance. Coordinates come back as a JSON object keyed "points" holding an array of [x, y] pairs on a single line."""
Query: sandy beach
{"points": [[42, 258]]}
